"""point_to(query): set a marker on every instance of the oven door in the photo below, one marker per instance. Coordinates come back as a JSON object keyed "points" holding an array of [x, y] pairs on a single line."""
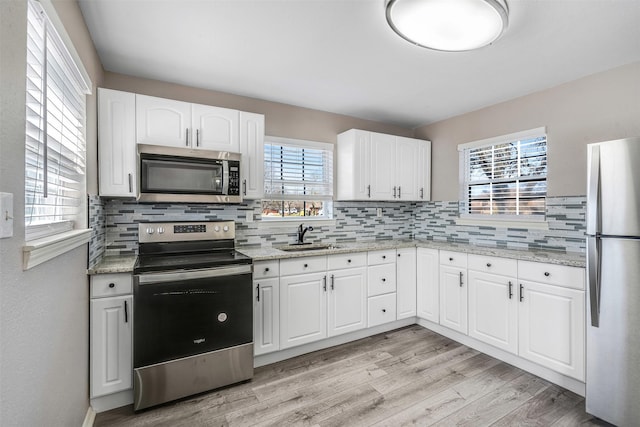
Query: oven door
{"points": [[185, 313]]}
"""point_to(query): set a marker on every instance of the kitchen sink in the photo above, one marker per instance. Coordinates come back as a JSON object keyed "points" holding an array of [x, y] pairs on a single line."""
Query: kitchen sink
{"points": [[307, 247]]}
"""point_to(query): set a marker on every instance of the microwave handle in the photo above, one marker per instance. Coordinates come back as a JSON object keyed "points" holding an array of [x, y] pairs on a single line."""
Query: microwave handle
{"points": [[225, 177]]}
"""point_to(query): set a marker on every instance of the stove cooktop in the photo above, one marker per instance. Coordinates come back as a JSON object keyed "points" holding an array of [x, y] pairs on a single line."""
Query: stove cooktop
{"points": [[191, 261]]}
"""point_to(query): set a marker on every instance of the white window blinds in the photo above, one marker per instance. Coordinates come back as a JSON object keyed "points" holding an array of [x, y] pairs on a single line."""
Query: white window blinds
{"points": [[55, 130], [506, 176], [298, 171]]}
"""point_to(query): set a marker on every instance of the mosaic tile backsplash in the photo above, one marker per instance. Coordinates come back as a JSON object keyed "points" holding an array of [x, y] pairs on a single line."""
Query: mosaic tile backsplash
{"points": [[353, 221]]}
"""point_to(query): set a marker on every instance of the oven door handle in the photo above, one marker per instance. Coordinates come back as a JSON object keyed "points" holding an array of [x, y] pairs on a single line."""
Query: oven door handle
{"points": [[148, 278]]}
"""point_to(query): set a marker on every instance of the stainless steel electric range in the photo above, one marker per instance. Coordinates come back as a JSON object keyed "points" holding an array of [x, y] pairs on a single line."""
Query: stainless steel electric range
{"points": [[193, 326]]}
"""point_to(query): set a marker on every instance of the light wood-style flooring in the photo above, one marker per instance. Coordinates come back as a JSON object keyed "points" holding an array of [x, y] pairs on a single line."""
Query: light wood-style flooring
{"points": [[410, 376]]}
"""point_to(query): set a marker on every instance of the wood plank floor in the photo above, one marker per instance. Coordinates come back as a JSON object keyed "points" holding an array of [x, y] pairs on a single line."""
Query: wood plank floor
{"points": [[410, 376]]}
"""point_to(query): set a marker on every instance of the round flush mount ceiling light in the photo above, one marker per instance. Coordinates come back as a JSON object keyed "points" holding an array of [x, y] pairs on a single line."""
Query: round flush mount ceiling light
{"points": [[449, 25]]}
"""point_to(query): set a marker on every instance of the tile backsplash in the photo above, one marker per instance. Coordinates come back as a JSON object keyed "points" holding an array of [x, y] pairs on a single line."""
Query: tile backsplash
{"points": [[352, 221]]}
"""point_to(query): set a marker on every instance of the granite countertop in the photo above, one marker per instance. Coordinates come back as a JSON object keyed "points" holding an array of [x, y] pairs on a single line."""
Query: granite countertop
{"points": [[536, 255], [114, 264]]}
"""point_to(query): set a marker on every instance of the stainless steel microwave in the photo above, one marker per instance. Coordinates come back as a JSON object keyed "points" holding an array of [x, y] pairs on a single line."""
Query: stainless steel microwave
{"points": [[183, 175]]}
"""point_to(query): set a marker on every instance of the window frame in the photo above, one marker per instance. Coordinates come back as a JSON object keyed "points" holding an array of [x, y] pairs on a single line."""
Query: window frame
{"points": [[327, 199], [498, 219]]}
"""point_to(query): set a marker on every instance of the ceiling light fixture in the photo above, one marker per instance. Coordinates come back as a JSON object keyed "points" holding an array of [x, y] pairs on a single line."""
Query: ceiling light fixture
{"points": [[448, 25]]}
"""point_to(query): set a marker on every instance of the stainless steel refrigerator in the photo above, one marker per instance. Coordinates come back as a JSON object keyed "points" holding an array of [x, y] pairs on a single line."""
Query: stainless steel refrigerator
{"points": [[613, 269]]}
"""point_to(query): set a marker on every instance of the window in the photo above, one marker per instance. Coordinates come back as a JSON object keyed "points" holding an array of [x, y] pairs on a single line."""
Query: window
{"points": [[298, 179], [505, 177], [55, 133]]}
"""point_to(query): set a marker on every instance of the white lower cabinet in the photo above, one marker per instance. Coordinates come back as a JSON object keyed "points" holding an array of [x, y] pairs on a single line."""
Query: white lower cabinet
{"points": [[347, 295], [551, 330], [406, 283], [266, 316], [111, 345], [453, 291], [381, 309], [303, 309], [427, 286]]}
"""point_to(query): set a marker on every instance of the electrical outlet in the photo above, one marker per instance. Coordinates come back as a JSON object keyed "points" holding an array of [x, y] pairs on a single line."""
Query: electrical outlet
{"points": [[249, 216], [6, 215], [379, 212]]}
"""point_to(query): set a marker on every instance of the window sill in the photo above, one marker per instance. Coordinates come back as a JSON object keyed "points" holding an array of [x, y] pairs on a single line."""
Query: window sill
{"points": [[38, 251], [288, 222], [503, 223]]}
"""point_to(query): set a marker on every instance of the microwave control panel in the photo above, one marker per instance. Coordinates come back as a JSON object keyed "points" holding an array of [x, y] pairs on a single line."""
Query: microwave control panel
{"points": [[234, 178]]}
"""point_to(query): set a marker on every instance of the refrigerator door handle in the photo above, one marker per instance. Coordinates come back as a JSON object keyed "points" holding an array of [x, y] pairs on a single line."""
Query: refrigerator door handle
{"points": [[593, 261], [593, 191]]}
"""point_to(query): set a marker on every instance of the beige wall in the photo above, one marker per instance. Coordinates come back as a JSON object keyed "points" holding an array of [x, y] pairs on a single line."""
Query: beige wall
{"points": [[44, 316], [280, 119], [596, 108]]}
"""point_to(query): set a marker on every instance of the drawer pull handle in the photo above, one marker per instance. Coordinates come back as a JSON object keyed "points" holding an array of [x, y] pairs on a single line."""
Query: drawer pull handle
{"points": [[384, 280], [398, 255], [450, 258], [384, 257], [461, 283], [384, 310], [306, 265], [112, 285], [521, 293], [324, 283], [349, 261], [258, 292], [510, 290], [126, 313], [488, 264], [547, 274], [332, 282], [266, 269]]}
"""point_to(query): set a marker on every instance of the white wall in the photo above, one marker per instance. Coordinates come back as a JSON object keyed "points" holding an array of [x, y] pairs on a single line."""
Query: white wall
{"points": [[44, 311], [596, 108]]}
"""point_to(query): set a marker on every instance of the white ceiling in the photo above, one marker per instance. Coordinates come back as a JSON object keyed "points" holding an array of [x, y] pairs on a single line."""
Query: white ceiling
{"points": [[341, 56]]}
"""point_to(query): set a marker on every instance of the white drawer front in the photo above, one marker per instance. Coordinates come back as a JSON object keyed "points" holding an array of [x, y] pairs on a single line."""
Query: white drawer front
{"points": [[453, 259], [108, 285], [561, 275], [493, 265], [339, 261], [312, 264], [382, 279], [381, 309], [266, 269], [381, 257]]}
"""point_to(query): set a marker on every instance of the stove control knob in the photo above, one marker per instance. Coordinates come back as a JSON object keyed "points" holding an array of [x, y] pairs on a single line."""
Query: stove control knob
{"points": [[216, 228], [225, 228], [150, 230], [160, 230]]}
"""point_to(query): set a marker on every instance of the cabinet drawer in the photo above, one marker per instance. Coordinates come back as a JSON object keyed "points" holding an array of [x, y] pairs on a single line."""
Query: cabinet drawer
{"points": [[302, 265], [381, 309], [382, 279], [108, 285], [266, 269], [561, 275], [336, 262], [493, 265], [381, 257], [453, 259]]}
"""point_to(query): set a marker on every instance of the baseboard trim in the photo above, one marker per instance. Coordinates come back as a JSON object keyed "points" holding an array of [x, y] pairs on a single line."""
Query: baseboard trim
{"points": [[89, 418], [112, 401]]}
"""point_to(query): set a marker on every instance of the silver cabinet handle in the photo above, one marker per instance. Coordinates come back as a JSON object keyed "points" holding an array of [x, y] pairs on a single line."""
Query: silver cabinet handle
{"points": [[258, 292], [399, 192], [324, 283], [126, 313], [186, 139], [422, 193], [461, 283], [130, 183], [244, 187], [521, 293], [369, 190], [394, 192], [510, 290], [488, 264], [197, 137], [332, 282]]}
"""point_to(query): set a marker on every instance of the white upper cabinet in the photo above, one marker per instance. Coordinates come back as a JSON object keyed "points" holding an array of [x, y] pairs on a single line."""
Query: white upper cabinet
{"points": [[215, 128], [252, 150], [161, 121], [117, 143], [376, 166]]}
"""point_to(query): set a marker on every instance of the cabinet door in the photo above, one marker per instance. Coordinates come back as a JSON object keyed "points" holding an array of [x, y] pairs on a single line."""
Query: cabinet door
{"points": [[303, 309], [347, 300], [161, 121], [117, 143], [353, 165], [428, 302], [551, 327], [493, 310], [406, 283], [407, 168], [383, 167], [424, 170], [252, 150], [215, 128], [111, 345], [266, 319], [453, 298]]}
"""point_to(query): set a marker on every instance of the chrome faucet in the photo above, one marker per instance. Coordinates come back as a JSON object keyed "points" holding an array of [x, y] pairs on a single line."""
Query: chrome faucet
{"points": [[301, 232]]}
